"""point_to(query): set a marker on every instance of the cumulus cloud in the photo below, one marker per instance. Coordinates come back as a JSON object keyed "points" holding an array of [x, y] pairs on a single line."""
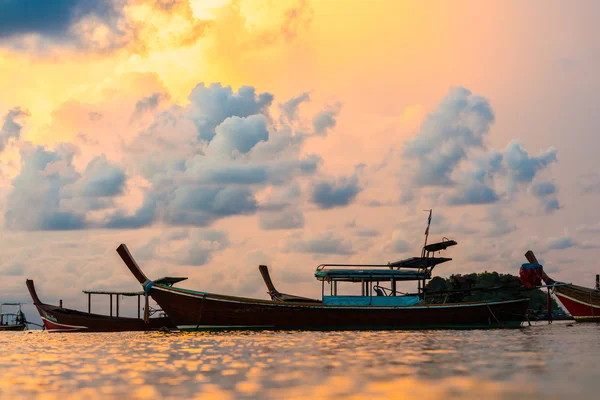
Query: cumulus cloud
{"points": [[185, 179], [98, 25], [589, 183], [545, 192], [55, 19], [335, 193], [148, 103], [521, 166], [326, 119], [460, 123], [11, 128], [290, 108], [326, 243], [50, 194], [211, 105]]}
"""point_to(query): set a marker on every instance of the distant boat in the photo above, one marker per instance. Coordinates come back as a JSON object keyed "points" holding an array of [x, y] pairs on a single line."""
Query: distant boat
{"points": [[581, 302], [13, 321], [60, 319], [377, 307]]}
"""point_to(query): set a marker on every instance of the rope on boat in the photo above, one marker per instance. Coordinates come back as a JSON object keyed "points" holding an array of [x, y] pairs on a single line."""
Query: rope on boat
{"points": [[493, 315]]}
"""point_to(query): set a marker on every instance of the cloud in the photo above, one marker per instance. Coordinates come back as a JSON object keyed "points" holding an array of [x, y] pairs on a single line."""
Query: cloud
{"points": [[560, 243], [50, 194], [290, 107], [500, 224], [239, 135], [326, 243], [210, 106], [98, 26], [195, 248], [35, 200], [102, 179], [521, 166], [545, 192], [475, 193], [367, 232], [326, 119], [595, 228], [335, 193], [459, 124], [289, 219], [11, 128], [200, 248], [589, 183], [50, 18], [148, 103]]}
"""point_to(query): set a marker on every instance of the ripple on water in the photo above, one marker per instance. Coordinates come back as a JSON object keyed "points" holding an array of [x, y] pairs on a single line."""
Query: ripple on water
{"points": [[538, 362]]}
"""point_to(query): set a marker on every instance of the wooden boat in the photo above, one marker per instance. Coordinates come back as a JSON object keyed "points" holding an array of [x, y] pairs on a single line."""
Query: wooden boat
{"points": [[12, 321], [581, 302], [60, 319], [196, 311]]}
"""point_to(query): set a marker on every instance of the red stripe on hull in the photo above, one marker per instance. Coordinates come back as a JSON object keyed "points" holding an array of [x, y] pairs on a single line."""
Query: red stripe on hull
{"points": [[579, 311], [55, 327]]}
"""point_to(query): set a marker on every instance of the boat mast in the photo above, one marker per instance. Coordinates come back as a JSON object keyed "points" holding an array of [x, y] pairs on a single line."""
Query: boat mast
{"points": [[421, 284]]}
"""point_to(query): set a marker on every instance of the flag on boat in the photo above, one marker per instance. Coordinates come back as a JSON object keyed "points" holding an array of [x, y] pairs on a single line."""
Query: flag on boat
{"points": [[428, 223]]}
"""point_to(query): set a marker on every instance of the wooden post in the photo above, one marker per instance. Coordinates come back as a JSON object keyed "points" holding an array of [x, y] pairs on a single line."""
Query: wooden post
{"points": [[89, 303], [117, 296], [110, 295], [146, 309], [60, 303], [393, 287], [138, 306], [597, 282]]}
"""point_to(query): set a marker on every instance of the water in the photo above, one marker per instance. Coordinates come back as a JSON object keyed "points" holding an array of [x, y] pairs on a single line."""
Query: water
{"points": [[557, 361]]}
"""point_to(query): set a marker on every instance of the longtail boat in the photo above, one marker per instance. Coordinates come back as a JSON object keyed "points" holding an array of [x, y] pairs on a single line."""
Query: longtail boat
{"points": [[377, 307], [581, 302], [13, 321], [60, 319]]}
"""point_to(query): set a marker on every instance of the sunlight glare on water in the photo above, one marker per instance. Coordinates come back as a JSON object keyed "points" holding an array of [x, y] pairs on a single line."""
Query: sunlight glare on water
{"points": [[557, 361]]}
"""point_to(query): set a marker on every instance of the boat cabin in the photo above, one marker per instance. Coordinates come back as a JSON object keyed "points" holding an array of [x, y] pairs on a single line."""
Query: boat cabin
{"points": [[11, 319], [167, 281], [378, 281]]}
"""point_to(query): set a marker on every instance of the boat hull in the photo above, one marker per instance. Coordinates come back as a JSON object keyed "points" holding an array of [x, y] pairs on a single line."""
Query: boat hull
{"points": [[59, 319], [197, 311], [12, 328], [581, 302]]}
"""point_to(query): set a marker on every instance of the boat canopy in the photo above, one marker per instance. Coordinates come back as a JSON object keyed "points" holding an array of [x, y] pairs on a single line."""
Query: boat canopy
{"points": [[130, 294], [369, 275], [419, 262], [443, 245], [167, 281]]}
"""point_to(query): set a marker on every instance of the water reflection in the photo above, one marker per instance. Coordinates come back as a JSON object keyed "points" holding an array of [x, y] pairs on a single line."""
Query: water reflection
{"points": [[539, 362]]}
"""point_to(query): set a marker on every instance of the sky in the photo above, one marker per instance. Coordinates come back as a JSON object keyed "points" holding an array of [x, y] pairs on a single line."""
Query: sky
{"points": [[212, 136]]}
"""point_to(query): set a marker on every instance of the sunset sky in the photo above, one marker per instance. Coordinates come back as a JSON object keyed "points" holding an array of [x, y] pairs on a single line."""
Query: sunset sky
{"points": [[212, 136]]}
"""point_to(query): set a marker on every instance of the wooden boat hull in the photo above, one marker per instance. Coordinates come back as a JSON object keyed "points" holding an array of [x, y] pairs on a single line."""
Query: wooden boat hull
{"points": [[59, 319], [12, 328], [581, 302], [196, 311]]}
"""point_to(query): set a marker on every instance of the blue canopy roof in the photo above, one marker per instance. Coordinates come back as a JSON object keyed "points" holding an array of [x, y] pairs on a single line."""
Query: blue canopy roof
{"points": [[357, 275]]}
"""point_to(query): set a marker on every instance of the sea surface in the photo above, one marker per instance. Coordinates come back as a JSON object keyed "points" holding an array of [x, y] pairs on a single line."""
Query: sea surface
{"points": [[539, 362]]}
